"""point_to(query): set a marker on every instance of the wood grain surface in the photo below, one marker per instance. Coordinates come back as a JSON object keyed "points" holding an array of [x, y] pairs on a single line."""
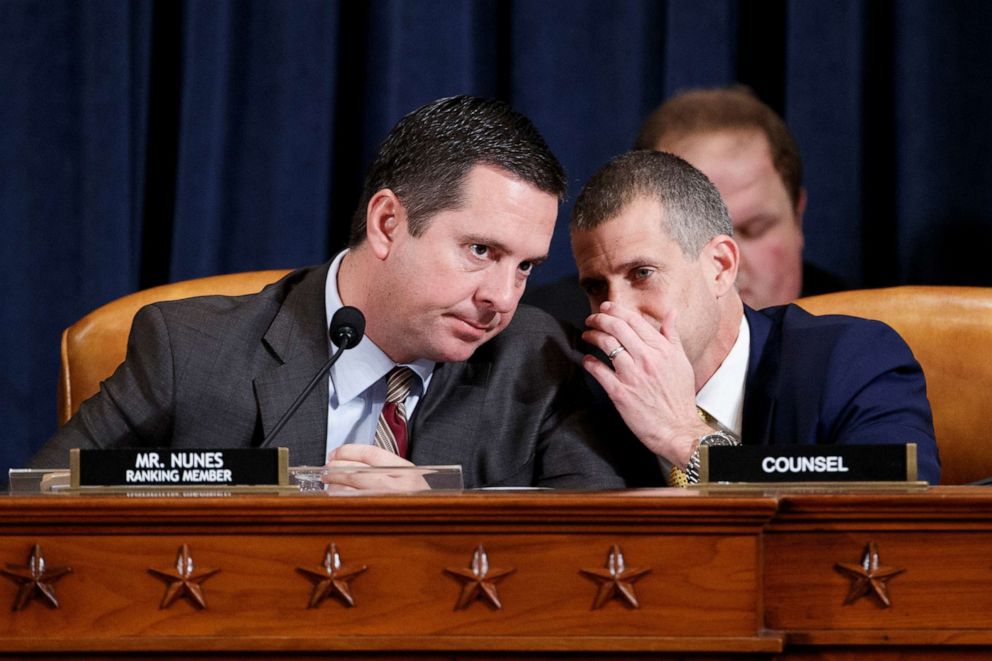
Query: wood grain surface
{"points": [[731, 573]]}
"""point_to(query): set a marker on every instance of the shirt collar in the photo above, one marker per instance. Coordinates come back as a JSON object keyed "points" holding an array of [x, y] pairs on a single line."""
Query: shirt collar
{"points": [[723, 395], [363, 365]]}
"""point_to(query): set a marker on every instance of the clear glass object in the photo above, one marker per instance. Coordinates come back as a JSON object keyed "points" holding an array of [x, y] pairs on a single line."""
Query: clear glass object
{"points": [[37, 480], [309, 479], [375, 479]]}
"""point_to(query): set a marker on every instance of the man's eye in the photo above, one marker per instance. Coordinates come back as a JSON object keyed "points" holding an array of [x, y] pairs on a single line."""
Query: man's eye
{"points": [[744, 232], [479, 250], [754, 229], [526, 267], [593, 288], [642, 273]]}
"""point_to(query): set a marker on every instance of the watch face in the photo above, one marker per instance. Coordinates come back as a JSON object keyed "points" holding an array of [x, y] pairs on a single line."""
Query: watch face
{"points": [[719, 438]]}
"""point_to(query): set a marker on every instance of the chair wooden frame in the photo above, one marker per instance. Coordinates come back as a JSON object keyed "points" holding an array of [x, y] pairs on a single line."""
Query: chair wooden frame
{"points": [[94, 346], [949, 330]]}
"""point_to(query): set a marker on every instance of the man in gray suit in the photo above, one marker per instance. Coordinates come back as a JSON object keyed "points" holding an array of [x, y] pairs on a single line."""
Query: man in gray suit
{"points": [[457, 208]]}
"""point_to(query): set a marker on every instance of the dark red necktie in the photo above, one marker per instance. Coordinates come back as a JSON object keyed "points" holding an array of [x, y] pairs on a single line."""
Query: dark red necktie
{"points": [[390, 430]]}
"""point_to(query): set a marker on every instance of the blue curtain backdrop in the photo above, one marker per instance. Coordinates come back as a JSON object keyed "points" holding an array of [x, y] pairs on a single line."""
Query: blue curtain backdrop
{"points": [[149, 141]]}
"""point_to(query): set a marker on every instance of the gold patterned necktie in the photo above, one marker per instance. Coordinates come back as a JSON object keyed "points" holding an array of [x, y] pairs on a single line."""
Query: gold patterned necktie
{"points": [[391, 429], [677, 478]]}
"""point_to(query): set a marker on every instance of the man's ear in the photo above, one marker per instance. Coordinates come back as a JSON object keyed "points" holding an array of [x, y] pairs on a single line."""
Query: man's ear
{"points": [[385, 217], [801, 206], [720, 259], [800, 210]]}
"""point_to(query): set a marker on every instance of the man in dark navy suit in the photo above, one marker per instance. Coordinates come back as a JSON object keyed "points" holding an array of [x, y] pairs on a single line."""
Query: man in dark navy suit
{"points": [[692, 365]]}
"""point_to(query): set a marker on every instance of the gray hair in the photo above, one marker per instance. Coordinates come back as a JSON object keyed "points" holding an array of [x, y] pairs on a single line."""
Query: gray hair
{"points": [[695, 212]]}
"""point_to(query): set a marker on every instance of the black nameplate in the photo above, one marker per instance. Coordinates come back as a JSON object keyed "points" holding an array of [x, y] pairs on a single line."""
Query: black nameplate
{"points": [[133, 467], [808, 463]]}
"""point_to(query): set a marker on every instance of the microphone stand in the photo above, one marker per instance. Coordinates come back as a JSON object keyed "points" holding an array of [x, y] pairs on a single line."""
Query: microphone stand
{"points": [[321, 373]]}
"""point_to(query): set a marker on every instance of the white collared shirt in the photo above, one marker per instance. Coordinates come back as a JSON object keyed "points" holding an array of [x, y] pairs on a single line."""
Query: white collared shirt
{"points": [[723, 395], [356, 386]]}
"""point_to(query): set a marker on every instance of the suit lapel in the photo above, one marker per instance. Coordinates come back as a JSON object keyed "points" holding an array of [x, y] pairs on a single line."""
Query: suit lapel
{"points": [[297, 338], [448, 420], [762, 375]]}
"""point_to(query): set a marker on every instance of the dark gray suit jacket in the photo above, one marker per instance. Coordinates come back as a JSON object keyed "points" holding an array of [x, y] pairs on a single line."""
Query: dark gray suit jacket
{"points": [[219, 371]]}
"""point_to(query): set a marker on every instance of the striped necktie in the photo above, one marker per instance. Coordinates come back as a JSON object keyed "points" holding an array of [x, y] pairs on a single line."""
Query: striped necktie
{"points": [[390, 430]]}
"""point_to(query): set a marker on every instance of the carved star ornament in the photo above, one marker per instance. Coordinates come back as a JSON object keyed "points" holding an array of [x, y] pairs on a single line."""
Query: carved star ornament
{"points": [[332, 578], [615, 580], [479, 580], [183, 580], [869, 577], [36, 579]]}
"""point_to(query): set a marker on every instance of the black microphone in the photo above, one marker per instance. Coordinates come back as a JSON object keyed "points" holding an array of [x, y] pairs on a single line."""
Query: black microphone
{"points": [[346, 331], [347, 327]]}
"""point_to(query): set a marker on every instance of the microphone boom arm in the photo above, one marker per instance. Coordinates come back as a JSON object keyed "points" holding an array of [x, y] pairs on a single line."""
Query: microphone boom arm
{"points": [[321, 373]]}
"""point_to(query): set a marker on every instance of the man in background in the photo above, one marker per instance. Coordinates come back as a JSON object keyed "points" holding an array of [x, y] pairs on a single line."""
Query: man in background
{"points": [[748, 153]]}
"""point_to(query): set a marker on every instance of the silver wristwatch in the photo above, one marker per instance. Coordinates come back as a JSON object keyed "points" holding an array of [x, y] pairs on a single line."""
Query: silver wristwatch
{"points": [[714, 438]]}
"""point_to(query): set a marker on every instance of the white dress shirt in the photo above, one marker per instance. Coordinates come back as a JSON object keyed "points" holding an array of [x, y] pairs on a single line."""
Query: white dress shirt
{"points": [[723, 395], [357, 384]]}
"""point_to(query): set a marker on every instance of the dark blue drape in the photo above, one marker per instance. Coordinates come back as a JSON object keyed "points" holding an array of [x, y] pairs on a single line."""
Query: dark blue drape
{"points": [[143, 141]]}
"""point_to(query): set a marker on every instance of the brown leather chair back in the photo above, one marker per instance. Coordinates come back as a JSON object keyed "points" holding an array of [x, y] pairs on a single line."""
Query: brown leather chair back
{"points": [[949, 330], [94, 346]]}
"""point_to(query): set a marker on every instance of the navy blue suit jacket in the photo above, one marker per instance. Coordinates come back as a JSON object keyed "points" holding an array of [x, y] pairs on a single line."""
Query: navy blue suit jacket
{"points": [[829, 379]]}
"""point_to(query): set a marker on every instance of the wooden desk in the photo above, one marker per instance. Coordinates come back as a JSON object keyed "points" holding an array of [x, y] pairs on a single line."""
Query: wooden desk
{"points": [[744, 573]]}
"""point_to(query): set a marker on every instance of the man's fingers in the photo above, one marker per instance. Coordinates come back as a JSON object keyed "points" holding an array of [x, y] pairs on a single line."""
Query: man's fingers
{"points": [[634, 319], [344, 463], [367, 481], [670, 329], [606, 377], [339, 487], [605, 342], [350, 459], [366, 454], [607, 332]]}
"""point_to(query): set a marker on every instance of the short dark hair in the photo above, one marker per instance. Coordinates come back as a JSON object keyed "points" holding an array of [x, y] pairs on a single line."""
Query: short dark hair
{"points": [[726, 109], [695, 212], [427, 155]]}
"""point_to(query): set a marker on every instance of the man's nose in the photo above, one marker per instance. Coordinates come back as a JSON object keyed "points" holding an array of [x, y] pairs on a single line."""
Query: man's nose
{"points": [[501, 289], [622, 296]]}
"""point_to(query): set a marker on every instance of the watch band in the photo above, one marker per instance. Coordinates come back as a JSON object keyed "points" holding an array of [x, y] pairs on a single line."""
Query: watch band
{"points": [[714, 438]]}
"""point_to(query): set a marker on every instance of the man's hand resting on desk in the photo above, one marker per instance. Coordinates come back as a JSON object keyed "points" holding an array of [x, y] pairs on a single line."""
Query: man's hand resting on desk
{"points": [[369, 456]]}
